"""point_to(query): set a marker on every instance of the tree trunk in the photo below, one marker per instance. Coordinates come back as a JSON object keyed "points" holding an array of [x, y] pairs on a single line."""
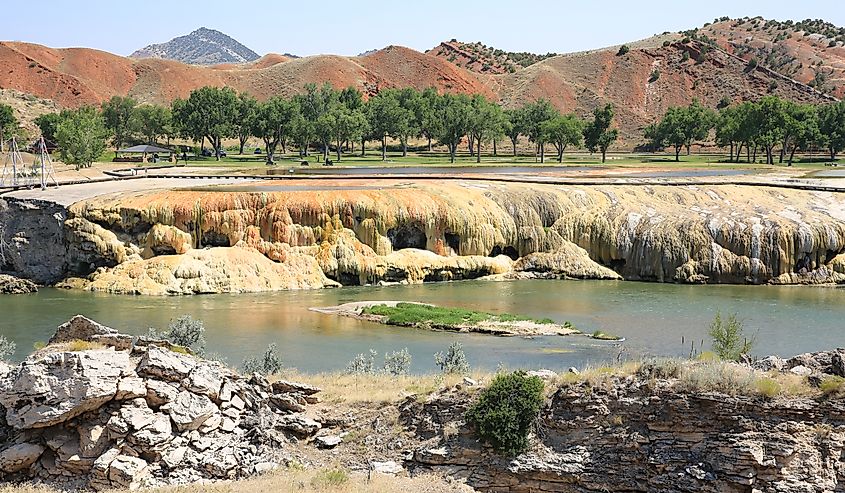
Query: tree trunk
{"points": [[677, 154], [732, 152], [452, 149], [429, 144], [405, 147], [495, 152], [217, 148], [792, 154], [478, 151], [363, 147], [384, 148], [514, 146], [542, 153], [603, 155], [242, 142], [338, 151], [470, 142], [688, 149]]}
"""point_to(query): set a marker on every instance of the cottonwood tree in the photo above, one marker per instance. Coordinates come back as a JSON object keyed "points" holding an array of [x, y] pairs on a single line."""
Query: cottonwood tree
{"points": [[153, 121], [486, 121], [535, 115], [426, 115], [514, 125], [119, 117], [453, 111], [246, 109], [832, 127], [384, 115], [563, 131], [47, 124], [342, 124], [682, 126], [598, 136], [8, 124], [208, 113], [81, 136], [273, 124]]}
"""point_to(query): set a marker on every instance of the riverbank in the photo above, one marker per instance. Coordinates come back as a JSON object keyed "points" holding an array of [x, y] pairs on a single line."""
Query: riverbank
{"points": [[714, 426]]}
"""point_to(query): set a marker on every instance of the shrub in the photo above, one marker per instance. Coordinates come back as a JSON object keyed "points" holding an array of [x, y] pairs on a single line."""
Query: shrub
{"points": [[185, 332], [655, 74], [685, 56], [832, 385], [7, 348], [666, 43], [362, 365], [397, 363], [751, 65], [454, 361], [506, 411], [729, 340], [719, 376], [623, 50], [768, 387], [268, 364], [330, 479]]}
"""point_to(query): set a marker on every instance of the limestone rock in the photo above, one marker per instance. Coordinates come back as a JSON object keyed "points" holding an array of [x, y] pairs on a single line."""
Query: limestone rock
{"points": [[298, 424], [285, 386], [568, 261], [128, 472], [165, 364], [15, 285], [55, 387], [19, 457], [386, 467], [189, 411], [160, 393], [328, 441]]}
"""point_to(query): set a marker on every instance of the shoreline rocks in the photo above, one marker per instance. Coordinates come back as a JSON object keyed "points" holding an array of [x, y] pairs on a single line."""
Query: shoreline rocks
{"points": [[15, 285], [140, 414]]}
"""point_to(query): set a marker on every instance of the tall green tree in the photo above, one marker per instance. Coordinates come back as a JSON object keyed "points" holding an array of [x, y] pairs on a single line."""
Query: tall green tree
{"points": [[119, 116], [8, 124], [384, 114], [313, 104], [47, 124], [682, 126], [536, 114], [81, 136], [598, 136], [832, 127], [341, 124], [563, 131], [273, 124], [453, 111], [697, 123], [153, 121], [486, 122], [407, 125], [426, 115], [771, 113], [208, 113], [247, 106], [515, 125]]}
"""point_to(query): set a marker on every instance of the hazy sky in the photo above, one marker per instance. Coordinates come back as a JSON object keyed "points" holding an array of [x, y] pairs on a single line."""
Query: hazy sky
{"points": [[310, 27]]}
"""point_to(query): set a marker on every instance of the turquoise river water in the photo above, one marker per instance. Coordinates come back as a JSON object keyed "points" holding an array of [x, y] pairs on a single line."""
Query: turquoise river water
{"points": [[654, 319]]}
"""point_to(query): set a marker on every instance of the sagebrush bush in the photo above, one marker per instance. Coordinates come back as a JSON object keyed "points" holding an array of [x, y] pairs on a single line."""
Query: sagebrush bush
{"points": [[729, 339], [397, 363], [506, 410], [185, 331], [362, 364], [268, 364], [454, 361], [7, 348]]}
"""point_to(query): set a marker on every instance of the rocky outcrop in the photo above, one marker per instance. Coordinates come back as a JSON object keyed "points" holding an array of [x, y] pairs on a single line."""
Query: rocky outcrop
{"points": [[140, 415], [644, 433], [32, 240], [14, 285]]}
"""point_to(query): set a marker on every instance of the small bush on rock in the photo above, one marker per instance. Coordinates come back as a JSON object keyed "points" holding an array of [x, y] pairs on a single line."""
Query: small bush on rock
{"points": [[454, 361], [185, 332], [623, 50], [506, 411], [7, 348], [268, 364]]}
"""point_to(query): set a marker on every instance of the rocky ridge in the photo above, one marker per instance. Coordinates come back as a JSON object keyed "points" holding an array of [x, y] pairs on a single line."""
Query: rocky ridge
{"points": [[104, 410], [201, 47]]}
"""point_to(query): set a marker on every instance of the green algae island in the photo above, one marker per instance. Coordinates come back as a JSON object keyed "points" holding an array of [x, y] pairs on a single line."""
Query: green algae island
{"points": [[431, 317]]}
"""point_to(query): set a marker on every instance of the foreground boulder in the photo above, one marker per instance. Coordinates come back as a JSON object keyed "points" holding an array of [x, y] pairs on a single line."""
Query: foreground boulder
{"points": [[132, 415]]}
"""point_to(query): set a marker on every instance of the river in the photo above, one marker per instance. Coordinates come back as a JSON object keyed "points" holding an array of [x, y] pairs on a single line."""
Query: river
{"points": [[654, 318]]}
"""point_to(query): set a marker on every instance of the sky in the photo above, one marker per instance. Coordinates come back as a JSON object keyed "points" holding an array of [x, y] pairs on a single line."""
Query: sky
{"points": [[310, 27]]}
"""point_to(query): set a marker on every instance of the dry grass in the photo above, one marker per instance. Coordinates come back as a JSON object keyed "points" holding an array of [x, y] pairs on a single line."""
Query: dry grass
{"points": [[332, 480], [339, 388]]}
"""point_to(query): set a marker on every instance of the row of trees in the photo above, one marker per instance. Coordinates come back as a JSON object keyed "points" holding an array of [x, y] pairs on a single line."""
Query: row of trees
{"points": [[772, 126], [326, 117]]}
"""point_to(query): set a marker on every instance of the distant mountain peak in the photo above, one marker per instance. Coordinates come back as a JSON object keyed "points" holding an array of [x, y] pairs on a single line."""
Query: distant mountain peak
{"points": [[203, 46]]}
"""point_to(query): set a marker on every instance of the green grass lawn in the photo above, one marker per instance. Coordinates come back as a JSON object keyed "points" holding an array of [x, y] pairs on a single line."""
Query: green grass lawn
{"points": [[413, 314]]}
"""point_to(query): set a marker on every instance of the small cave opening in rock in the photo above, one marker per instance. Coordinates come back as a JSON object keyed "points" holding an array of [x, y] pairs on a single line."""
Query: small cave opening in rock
{"points": [[164, 250], [214, 239], [616, 264], [508, 250], [832, 254], [407, 235], [453, 241], [803, 265]]}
